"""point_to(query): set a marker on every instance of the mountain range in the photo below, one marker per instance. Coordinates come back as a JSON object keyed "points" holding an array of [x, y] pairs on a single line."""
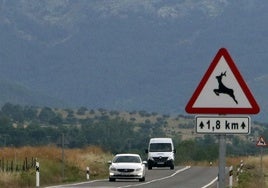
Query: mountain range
{"points": [[126, 54]]}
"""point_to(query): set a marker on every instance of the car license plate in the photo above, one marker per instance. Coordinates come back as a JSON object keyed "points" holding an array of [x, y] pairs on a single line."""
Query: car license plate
{"points": [[125, 173]]}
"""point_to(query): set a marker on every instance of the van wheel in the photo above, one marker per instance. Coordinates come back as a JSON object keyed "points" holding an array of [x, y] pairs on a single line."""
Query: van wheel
{"points": [[172, 167], [149, 167], [111, 179]]}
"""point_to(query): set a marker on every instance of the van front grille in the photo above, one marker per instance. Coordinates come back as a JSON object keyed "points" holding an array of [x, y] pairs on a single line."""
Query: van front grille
{"points": [[160, 159]]}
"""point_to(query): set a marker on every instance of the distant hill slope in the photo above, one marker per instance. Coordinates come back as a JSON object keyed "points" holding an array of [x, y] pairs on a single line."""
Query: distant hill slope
{"points": [[18, 94], [127, 55]]}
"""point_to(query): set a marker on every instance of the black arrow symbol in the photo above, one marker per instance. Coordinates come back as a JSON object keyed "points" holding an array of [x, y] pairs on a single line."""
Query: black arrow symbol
{"points": [[201, 125], [243, 125]]}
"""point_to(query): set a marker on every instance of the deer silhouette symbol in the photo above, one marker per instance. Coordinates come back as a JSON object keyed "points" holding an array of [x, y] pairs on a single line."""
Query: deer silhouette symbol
{"points": [[223, 89]]}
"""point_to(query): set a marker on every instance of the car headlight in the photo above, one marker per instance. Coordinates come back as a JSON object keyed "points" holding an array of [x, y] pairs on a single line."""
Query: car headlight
{"points": [[138, 169], [113, 168]]}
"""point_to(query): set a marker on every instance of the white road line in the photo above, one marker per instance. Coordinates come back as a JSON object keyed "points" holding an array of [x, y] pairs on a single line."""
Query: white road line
{"points": [[155, 180], [209, 184], [74, 184]]}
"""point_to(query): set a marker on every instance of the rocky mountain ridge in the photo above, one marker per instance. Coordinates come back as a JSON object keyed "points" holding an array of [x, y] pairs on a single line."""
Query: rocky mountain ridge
{"points": [[127, 55]]}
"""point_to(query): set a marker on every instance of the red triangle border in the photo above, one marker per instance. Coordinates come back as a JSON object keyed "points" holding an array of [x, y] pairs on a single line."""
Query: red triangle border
{"points": [[222, 110]]}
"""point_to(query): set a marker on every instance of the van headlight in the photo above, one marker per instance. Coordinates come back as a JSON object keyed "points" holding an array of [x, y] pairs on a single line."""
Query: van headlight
{"points": [[170, 158], [151, 158], [113, 168]]}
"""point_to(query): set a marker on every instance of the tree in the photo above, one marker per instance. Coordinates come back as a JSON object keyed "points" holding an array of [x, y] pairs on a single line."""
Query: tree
{"points": [[30, 113], [81, 111], [46, 114], [13, 111], [57, 120]]}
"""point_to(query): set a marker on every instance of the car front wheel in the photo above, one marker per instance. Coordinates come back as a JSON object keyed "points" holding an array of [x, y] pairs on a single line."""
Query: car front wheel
{"points": [[142, 179]]}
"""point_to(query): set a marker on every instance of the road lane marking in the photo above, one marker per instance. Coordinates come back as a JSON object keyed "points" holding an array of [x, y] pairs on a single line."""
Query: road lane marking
{"points": [[74, 184], [155, 180], [210, 183]]}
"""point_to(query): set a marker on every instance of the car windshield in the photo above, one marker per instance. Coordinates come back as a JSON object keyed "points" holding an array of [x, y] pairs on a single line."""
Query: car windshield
{"points": [[127, 159], [160, 147]]}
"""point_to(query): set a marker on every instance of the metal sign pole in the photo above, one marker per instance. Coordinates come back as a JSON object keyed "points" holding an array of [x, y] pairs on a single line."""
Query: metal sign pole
{"points": [[261, 168], [261, 143], [222, 155]]}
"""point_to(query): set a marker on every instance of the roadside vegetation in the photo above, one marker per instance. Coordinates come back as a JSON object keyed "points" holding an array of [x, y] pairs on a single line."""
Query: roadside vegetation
{"points": [[251, 174], [91, 137], [76, 160], [54, 169]]}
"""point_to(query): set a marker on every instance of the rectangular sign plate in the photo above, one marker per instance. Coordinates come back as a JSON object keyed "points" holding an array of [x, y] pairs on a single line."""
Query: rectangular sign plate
{"points": [[222, 125]]}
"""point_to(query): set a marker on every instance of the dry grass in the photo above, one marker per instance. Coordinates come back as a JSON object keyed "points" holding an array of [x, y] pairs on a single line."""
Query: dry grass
{"points": [[9, 179], [251, 176], [50, 160], [92, 157], [53, 153], [96, 159], [252, 173]]}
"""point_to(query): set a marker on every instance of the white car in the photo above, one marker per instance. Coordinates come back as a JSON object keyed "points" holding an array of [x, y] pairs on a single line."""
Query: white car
{"points": [[127, 166]]}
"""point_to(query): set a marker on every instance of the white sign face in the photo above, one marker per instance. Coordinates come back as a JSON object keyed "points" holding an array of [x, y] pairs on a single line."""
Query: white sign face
{"points": [[261, 142], [211, 98], [222, 125], [222, 90]]}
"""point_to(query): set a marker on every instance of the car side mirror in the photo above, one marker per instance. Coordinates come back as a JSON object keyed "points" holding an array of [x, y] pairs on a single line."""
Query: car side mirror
{"points": [[174, 151], [109, 162]]}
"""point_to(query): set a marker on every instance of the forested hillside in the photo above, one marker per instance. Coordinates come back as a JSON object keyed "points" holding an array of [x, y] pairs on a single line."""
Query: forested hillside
{"points": [[126, 55], [112, 130]]}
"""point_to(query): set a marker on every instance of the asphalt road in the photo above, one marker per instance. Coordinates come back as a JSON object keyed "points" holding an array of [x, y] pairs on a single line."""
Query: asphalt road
{"points": [[180, 177]]}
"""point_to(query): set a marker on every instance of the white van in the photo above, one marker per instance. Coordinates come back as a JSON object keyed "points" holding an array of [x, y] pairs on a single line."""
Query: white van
{"points": [[161, 153]]}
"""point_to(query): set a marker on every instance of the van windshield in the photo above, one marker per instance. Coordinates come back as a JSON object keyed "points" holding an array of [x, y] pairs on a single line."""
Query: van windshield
{"points": [[160, 147]]}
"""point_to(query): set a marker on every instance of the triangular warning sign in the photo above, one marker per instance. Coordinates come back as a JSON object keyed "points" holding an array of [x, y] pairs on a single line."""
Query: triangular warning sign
{"points": [[222, 90], [261, 142]]}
